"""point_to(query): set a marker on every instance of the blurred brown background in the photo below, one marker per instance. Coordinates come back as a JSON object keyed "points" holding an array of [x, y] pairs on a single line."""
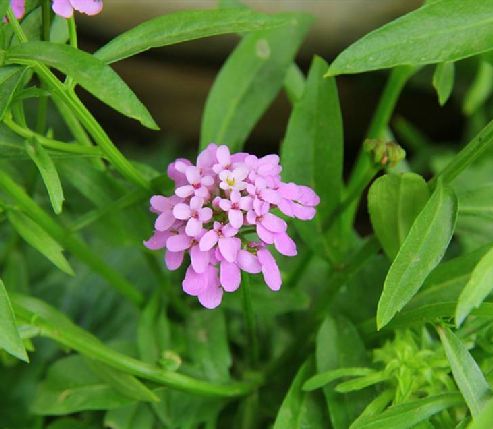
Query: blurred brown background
{"points": [[173, 81]]}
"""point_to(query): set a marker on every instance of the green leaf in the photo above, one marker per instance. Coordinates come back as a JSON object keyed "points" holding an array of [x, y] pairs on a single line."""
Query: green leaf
{"points": [[394, 202], [469, 378], [295, 411], [312, 152], [484, 418], [91, 73], [249, 81], [477, 288], [480, 89], [320, 380], [38, 238], [4, 4], [338, 345], [376, 406], [445, 30], [360, 383], [10, 339], [477, 201], [8, 88], [408, 414], [421, 251], [208, 344], [443, 81], [48, 172], [183, 26], [70, 386], [130, 417]]}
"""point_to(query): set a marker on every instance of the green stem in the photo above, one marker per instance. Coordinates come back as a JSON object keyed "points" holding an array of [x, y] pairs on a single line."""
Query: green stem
{"points": [[72, 36], [51, 143], [250, 321], [19, 32], [43, 100]]}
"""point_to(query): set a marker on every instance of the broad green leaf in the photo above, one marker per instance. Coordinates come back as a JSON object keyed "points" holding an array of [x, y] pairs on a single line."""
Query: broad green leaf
{"points": [[249, 81], [208, 344], [8, 88], [130, 417], [484, 418], [183, 26], [477, 201], [338, 345], [312, 150], [125, 384], [320, 380], [421, 251], [409, 414], [477, 288], [69, 423], [4, 4], [445, 30], [10, 340], [394, 201], [296, 410], [70, 386], [48, 172], [469, 378], [38, 238], [480, 89], [443, 81], [92, 74]]}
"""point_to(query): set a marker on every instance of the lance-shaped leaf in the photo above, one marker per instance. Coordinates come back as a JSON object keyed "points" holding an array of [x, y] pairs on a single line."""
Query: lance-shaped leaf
{"points": [[88, 71], [445, 30], [38, 238], [469, 378], [443, 81], [421, 251], [48, 172], [10, 340], [249, 81], [394, 201], [8, 88], [183, 26]]}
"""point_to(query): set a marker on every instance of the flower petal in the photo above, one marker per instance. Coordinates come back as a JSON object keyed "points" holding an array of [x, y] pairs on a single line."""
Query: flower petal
{"points": [[212, 295], [302, 212], [89, 7], [157, 241], [229, 276], [194, 283], [184, 191], [274, 223], [223, 155], [164, 221], [270, 270], [229, 247], [248, 262], [173, 260], [199, 259], [205, 214], [19, 8], [194, 227], [264, 234], [235, 218], [63, 8], [179, 242], [208, 240], [284, 244]]}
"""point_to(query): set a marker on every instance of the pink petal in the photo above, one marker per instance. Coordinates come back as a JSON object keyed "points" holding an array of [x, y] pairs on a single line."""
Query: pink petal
{"points": [[179, 242], [265, 235], [196, 203], [208, 241], [270, 195], [202, 192], [229, 247], [199, 259], [89, 7], [63, 8], [160, 203], [193, 175], [248, 262], [286, 207], [207, 157], [235, 197], [274, 223], [173, 260], [284, 244], [207, 181], [229, 275], [184, 191], [246, 203], [270, 270], [164, 221], [225, 204], [182, 211], [251, 217], [194, 283], [18, 7], [223, 155], [212, 295], [308, 197], [205, 214], [235, 218], [194, 227], [229, 231], [240, 174], [302, 212], [157, 241], [289, 191]]}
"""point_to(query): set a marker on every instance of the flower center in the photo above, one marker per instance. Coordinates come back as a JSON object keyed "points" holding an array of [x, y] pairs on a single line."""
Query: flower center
{"points": [[230, 181]]}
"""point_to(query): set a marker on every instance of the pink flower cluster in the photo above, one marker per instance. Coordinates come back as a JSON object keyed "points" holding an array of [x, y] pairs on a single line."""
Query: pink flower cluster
{"points": [[64, 8], [221, 215]]}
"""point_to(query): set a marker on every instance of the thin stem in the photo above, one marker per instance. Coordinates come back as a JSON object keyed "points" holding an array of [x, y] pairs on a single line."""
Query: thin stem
{"points": [[250, 322], [19, 32], [43, 100], [72, 35]]}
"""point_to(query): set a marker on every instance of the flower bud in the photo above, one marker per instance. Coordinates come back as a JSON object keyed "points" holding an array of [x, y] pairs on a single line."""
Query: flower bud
{"points": [[384, 152]]}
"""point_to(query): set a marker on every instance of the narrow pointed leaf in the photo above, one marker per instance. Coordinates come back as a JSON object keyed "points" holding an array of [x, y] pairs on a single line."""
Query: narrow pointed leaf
{"points": [[38, 238], [477, 288], [445, 30], [183, 26], [48, 172], [10, 340], [467, 374], [8, 88], [394, 201], [409, 414], [249, 81], [484, 418], [421, 251], [91, 73], [443, 81], [320, 380]]}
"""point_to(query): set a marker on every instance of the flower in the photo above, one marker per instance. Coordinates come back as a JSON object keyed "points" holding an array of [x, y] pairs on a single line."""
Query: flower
{"points": [[225, 214], [64, 8]]}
